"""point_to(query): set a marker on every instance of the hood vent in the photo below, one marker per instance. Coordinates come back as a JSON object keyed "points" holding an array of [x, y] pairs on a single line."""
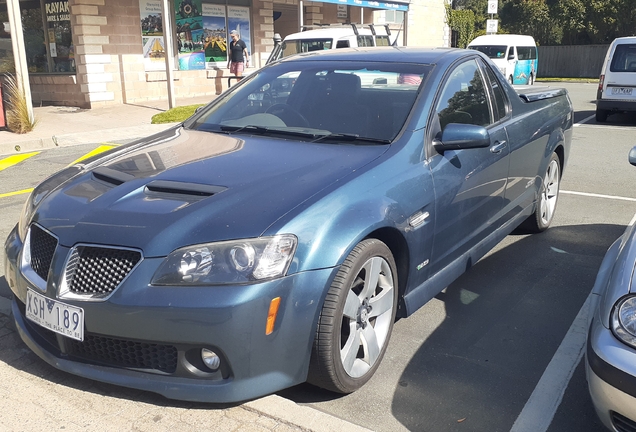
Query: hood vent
{"points": [[111, 176], [180, 188]]}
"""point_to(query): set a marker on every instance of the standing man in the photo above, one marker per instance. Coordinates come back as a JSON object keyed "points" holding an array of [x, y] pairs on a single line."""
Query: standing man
{"points": [[238, 57]]}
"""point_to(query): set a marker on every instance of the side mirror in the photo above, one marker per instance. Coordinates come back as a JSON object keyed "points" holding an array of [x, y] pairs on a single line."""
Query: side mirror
{"points": [[456, 136], [511, 57], [632, 156]]}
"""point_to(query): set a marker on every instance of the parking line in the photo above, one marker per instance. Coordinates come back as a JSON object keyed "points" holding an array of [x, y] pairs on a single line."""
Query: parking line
{"points": [[593, 195], [15, 159], [540, 408], [23, 191], [584, 120], [101, 149]]}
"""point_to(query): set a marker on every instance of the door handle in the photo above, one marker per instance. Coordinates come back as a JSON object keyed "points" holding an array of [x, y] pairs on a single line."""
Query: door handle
{"points": [[498, 147]]}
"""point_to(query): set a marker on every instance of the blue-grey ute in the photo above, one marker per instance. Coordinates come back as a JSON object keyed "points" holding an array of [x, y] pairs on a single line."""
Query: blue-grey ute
{"points": [[274, 237]]}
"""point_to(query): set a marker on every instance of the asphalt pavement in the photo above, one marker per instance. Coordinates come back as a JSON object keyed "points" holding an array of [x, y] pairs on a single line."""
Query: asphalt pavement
{"points": [[56, 400]]}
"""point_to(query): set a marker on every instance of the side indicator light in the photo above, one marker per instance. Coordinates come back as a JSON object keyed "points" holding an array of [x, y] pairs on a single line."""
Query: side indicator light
{"points": [[271, 315]]}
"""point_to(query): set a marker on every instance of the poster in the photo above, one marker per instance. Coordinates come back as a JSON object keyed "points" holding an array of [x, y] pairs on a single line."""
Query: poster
{"points": [[61, 50], [238, 18], [189, 32], [154, 49], [214, 35]]}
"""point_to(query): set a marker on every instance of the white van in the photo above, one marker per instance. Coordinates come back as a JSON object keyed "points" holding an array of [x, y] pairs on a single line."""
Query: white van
{"points": [[617, 83], [331, 37], [514, 55]]}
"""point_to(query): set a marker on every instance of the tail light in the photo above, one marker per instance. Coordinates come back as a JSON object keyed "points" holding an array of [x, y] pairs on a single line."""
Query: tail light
{"points": [[601, 80]]}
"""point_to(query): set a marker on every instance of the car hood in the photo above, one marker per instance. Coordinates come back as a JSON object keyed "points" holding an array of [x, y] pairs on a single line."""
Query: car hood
{"points": [[189, 187]]}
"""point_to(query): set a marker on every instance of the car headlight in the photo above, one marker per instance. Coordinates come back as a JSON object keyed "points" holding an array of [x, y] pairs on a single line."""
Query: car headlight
{"points": [[38, 194], [623, 320], [229, 262]]}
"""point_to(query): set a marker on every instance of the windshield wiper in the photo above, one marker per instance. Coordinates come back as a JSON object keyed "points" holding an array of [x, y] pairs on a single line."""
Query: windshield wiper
{"points": [[250, 128], [350, 137], [265, 131]]}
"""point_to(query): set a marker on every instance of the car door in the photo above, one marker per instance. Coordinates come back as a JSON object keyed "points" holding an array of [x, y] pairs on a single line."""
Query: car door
{"points": [[469, 183]]}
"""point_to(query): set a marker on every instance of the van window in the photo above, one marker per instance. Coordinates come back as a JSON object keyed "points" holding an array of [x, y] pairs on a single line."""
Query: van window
{"points": [[511, 52], [306, 45], [527, 52], [624, 59], [492, 51], [382, 41], [342, 44], [365, 41]]}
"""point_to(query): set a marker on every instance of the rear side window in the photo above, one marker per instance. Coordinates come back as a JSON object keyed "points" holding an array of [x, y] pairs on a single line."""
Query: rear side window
{"points": [[365, 41], [527, 52], [624, 59], [342, 44], [382, 41], [501, 101]]}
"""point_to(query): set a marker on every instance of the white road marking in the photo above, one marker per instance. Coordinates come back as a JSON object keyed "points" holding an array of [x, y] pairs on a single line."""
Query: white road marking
{"points": [[598, 126], [584, 120], [593, 195], [539, 410]]}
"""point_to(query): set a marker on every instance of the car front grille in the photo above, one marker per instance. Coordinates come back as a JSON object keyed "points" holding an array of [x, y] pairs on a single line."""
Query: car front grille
{"points": [[125, 353], [99, 270], [622, 423], [42, 248], [106, 351]]}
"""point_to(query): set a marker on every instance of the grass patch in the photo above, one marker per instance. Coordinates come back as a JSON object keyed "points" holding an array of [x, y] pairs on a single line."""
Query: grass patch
{"points": [[578, 80], [175, 115], [18, 118]]}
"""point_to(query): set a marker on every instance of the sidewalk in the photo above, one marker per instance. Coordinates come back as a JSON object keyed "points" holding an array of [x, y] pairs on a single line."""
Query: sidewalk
{"points": [[66, 126], [63, 126]]}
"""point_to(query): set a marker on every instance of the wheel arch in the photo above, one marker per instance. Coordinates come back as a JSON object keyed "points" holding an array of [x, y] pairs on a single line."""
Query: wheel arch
{"points": [[399, 248]]}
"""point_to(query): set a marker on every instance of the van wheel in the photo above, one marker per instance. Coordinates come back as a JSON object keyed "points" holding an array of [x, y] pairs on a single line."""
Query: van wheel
{"points": [[356, 319], [510, 80], [601, 115], [531, 80]]}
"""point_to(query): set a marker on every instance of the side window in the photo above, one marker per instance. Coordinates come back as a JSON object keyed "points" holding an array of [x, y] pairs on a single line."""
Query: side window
{"points": [[463, 97], [365, 41], [501, 101], [342, 44], [511, 52]]}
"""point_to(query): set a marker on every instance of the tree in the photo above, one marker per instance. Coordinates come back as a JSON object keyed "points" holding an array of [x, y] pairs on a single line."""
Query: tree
{"points": [[530, 17], [462, 21]]}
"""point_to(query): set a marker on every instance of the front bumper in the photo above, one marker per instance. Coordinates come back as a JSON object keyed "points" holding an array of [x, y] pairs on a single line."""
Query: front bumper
{"points": [[611, 377], [230, 320]]}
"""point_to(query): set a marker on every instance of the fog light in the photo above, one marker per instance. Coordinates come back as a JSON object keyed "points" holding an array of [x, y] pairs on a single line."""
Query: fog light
{"points": [[210, 359]]}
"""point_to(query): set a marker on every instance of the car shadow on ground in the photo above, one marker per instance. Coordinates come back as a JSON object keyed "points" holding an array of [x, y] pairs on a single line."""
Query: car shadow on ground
{"points": [[579, 116], [16, 354], [505, 318]]}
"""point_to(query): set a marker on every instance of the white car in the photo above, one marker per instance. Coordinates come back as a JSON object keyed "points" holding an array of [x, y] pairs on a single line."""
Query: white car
{"points": [[617, 83]]}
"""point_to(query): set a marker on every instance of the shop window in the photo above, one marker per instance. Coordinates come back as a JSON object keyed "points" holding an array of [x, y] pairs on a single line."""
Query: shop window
{"points": [[48, 43]]}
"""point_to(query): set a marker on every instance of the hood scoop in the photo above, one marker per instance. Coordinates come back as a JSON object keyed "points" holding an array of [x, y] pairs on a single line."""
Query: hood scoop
{"points": [[192, 190], [111, 176]]}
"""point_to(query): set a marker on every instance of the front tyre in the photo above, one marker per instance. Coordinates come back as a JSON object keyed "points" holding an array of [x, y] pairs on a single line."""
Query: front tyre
{"points": [[548, 196], [356, 319]]}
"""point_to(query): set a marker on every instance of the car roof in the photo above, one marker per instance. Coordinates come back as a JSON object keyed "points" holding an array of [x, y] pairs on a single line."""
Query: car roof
{"points": [[324, 33], [624, 40], [390, 54], [502, 38]]}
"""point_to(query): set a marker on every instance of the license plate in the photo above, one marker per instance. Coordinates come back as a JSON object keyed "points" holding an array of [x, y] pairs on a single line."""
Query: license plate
{"points": [[56, 316], [621, 91]]}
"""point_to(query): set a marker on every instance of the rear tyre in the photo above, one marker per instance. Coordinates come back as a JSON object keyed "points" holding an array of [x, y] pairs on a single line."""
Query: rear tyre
{"points": [[531, 80], [510, 80], [548, 196], [601, 115], [356, 319]]}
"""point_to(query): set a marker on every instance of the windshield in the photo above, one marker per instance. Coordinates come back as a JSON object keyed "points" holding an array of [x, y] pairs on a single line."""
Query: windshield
{"points": [[492, 51], [319, 100], [292, 47]]}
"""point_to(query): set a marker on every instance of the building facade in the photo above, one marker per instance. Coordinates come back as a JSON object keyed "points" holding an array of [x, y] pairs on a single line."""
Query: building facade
{"points": [[91, 53]]}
